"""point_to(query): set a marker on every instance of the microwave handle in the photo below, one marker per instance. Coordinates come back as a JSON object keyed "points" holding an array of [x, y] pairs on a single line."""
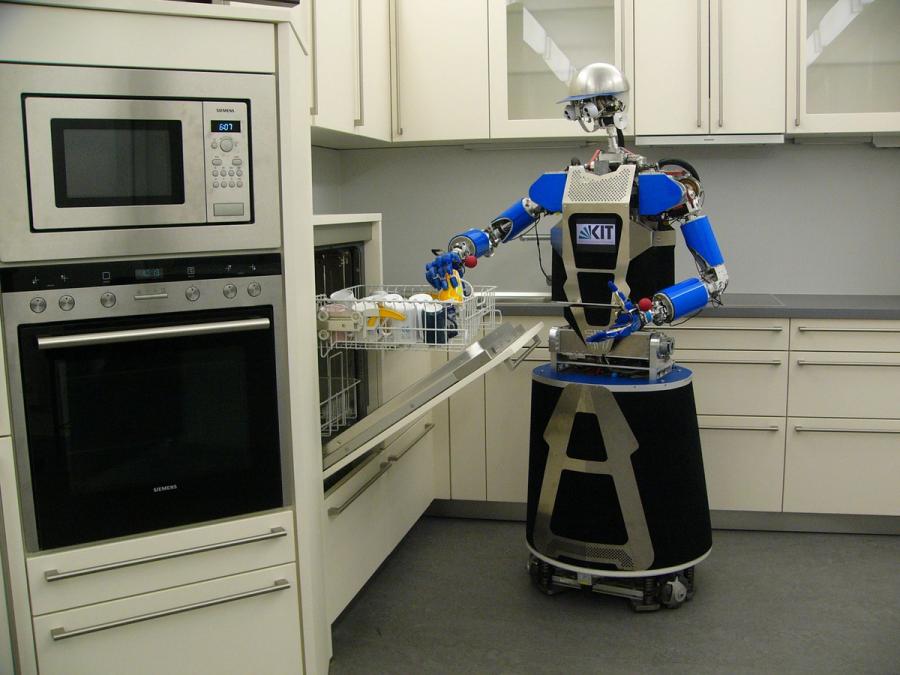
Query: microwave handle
{"points": [[157, 333]]}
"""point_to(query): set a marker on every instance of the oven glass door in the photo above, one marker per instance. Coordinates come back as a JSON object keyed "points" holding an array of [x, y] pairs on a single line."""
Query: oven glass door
{"points": [[155, 424]]}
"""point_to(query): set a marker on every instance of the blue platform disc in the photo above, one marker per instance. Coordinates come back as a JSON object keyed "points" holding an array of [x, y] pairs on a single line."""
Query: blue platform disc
{"points": [[679, 376]]}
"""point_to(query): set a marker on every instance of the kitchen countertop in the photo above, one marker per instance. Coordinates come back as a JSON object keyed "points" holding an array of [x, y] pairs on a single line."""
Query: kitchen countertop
{"points": [[742, 305]]}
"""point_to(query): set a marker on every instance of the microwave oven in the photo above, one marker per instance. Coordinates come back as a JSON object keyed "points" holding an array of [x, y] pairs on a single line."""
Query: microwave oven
{"points": [[107, 162]]}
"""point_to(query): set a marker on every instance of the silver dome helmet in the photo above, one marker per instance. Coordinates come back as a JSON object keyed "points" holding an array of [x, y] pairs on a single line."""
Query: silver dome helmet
{"points": [[593, 97]]}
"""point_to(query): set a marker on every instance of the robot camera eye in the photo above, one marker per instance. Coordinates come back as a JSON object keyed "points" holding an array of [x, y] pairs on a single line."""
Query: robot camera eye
{"points": [[571, 112], [591, 111]]}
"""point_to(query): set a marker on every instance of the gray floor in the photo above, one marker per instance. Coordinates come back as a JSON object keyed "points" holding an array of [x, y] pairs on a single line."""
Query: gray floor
{"points": [[455, 598]]}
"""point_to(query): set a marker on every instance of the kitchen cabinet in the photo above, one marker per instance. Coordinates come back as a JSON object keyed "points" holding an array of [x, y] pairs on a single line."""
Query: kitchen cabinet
{"points": [[843, 66], [537, 46], [708, 67], [350, 67], [245, 623], [440, 70]]}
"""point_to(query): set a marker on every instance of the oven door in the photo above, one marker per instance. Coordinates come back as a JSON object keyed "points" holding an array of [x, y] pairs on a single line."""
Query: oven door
{"points": [[144, 423]]}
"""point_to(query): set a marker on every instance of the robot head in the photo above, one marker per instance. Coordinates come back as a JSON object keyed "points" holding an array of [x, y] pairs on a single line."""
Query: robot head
{"points": [[592, 97]]}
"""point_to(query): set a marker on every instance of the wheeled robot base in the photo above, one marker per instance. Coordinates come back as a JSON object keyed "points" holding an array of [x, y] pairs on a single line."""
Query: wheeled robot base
{"points": [[647, 594]]}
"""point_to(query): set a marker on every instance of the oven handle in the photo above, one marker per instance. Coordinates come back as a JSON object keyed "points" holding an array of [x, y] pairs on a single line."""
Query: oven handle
{"points": [[157, 333]]}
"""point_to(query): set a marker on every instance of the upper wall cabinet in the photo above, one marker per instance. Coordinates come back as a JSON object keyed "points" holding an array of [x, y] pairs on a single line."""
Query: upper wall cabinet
{"points": [[843, 66], [350, 79], [537, 47], [440, 59], [709, 67]]}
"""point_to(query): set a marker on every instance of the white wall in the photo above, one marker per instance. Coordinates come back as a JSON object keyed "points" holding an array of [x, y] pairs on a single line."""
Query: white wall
{"points": [[790, 219]]}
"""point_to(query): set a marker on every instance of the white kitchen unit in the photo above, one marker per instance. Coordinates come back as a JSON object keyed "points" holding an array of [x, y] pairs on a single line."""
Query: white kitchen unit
{"points": [[843, 66], [708, 67], [537, 46], [440, 70], [349, 67]]}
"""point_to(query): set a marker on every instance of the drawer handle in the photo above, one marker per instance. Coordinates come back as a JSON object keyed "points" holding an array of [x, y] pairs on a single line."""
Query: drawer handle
{"points": [[748, 329], [383, 469], [514, 362], [877, 364], [736, 427], [63, 634], [813, 329], [56, 575], [773, 362], [839, 430]]}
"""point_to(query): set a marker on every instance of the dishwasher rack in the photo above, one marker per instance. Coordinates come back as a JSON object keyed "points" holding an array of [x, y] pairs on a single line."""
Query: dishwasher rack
{"points": [[389, 317]]}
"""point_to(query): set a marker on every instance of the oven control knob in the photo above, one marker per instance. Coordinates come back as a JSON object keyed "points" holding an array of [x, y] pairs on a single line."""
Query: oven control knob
{"points": [[192, 293], [229, 291], [66, 302], [254, 289], [38, 305], [226, 144], [108, 300]]}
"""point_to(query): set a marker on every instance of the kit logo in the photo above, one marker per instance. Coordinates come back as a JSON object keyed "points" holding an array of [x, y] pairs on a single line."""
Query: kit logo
{"points": [[603, 234], [165, 488]]}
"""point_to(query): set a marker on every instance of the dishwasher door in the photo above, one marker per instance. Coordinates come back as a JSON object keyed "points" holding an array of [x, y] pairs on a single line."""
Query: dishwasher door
{"points": [[415, 401]]}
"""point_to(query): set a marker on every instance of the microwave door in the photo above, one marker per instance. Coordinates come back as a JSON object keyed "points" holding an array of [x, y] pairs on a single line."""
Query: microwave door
{"points": [[104, 163]]}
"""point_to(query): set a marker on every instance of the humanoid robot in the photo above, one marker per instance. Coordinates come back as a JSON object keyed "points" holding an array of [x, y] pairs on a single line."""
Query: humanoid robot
{"points": [[616, 497]]}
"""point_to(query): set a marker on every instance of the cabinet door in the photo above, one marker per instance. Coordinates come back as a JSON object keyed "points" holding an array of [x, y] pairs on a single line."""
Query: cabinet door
{"points": [[843, 71], [334, 65], [248, 623], [508, 431], [536, 48], [747, 66], [440, 70], [671, 67], [373, 69]]}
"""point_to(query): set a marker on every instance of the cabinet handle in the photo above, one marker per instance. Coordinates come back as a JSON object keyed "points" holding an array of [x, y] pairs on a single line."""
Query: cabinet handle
{"points": [[425, 431], [338, 510], [875, 364], [813, 329], [721, 68], [361, 118], [799, 58], [742, 362], [758, 329], [729, 427], [63, 634], [314, 55], [397, 62], [699, 62], [514, 362], [839, 430], [56, 575]]}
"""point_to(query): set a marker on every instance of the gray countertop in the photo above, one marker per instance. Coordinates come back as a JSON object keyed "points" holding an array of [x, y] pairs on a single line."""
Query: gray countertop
{"points": [[742, 305]]}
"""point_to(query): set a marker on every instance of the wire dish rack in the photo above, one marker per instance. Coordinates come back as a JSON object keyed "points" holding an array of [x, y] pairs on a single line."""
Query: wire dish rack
{"points": [[404, 317], [337, 403]]}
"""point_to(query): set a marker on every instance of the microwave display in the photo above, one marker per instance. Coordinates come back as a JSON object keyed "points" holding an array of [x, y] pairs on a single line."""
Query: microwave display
{"points": [[225, 126], [117, 162]]}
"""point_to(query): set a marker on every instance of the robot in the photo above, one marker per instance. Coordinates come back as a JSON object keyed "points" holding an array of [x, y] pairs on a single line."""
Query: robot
{"points": [[616, 497]]}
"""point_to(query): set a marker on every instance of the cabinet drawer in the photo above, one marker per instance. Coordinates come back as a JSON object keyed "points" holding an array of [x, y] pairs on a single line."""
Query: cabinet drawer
{"points": [[247, 623], [744, 461], [845, 336], [737, 382], [368, 514], [842, 466], [94, 574], [700, 333], [844, 384]]}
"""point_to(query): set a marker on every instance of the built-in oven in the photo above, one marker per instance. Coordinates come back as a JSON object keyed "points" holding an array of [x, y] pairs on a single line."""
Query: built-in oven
{"points": [[146, 394], [102, 162]]}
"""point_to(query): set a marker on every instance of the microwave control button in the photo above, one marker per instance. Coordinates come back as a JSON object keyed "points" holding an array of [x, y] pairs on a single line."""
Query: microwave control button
{"points": [[192, 293], [214, 145], [226, 144], [237, 161], [229, 291], [66, 302], [38, 304], [240, 172], [216, 161], [240, 183], [108, 300], [231, 183], [254, 289], [215, 173], [230, 172], [215, 183]]}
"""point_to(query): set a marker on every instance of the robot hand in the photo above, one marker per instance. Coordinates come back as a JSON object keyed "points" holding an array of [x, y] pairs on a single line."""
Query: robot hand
{"points": [[629, 320], [442, 268]]}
